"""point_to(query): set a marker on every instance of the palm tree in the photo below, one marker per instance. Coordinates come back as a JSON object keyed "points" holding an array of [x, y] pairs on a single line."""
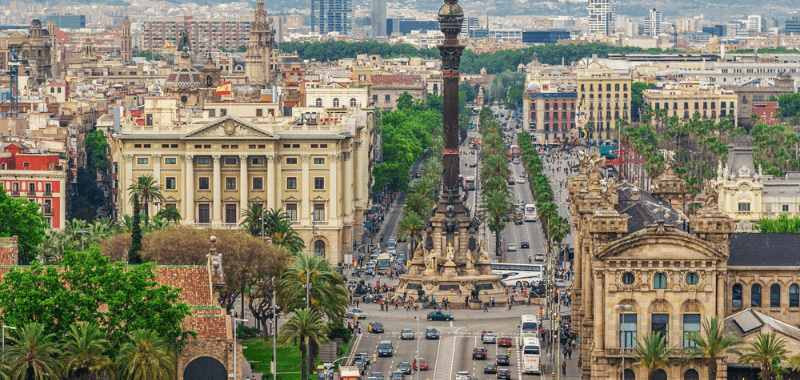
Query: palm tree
{"points": [[495, 166], [170, 214], [558, 229], [328, 292], [275, 220], [146, 357], [418, 204], [147, 189], [32, 354], [715, 344], [53, 248], [652, 353], [253, 219], [412, 225], [304, 326], [494, 209], [284, 236], [768, 350], [84, 351]]}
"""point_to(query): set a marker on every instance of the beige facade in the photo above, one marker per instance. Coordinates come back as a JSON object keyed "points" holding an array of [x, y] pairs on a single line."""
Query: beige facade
{"points": [[606, 95], [685, 99], [386, 89], [314, 165]]}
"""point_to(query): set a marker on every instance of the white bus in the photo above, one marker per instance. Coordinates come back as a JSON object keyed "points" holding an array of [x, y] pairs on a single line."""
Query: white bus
{"points": [[530, 212], [518, 274], [531, 354], [528, 324]]}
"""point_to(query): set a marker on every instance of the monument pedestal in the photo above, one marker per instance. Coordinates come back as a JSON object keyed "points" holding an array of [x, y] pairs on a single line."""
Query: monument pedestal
{"points": [[449, 269]]}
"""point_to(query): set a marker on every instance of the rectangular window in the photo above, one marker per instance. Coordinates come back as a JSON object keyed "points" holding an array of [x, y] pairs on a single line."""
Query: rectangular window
{"points": [[744, 207], [230, 183], [295, 146], [251, 146], [258, 183], [258, 161], [262, 146], [259, 112], [203, 161], [388, 98], [291, 210], [319, 161], [48, 188], [206, 146], [319, 212], [212, 112], [223, 112], [660, 325], [627, 331], [291, 183], [31, 188], [166, 146], [170, 160], [291, 160], [230, 161], [314, 146], [171, 183], [203, 183], [691, 322], [785, 208], [142, 161], [198, 146], [173, 146], [230, 214], [319, 183]]}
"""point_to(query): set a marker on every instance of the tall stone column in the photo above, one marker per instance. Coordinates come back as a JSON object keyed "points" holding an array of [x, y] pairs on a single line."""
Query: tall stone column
{"points": [[244, 185], [216, 218], [272, 190], [127, 206], [188, 188], [599, 313], [335, 192], [451, 16]]}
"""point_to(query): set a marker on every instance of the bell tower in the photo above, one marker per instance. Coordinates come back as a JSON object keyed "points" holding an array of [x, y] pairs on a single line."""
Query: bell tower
{"points": [[258, 59], [125, 42]]}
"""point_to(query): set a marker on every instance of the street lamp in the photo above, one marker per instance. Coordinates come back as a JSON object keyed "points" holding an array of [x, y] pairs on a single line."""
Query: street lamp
{"points": [[4, 339], [624, 342]]}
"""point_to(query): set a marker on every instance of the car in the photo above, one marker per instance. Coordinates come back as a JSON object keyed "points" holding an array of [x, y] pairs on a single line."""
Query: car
{"points": [[502, 359], [504, 341], [431, 333], [490, 368], [372, 378], [404, 367], [489, 338], [406, 334], [377, 375], [484, 332], [439, 316], [360, 365], [479, 353], [504, 374], [511, 181], [462, 375], [423, 364], [355, 312], [397, 375], [538, 257], [385, 348], [365, 357], [560, 283], [520, 179], [511, 247], [525, 244], [375, 327]]}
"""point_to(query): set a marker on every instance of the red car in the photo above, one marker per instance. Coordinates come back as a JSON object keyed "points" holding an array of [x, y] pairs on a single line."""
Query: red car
{"points": [[423, 364], [504, 341]]}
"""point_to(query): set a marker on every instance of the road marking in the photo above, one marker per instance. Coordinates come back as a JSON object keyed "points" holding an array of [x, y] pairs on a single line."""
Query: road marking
{"points": [[444, 372]]}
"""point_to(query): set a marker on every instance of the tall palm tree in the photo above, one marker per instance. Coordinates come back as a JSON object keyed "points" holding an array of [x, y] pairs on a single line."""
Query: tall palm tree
{"points": [[275, 220], [496, 166], [284, 236], [328, 294], [767, 351], [84, 352], [418, 204], [558, 229], [170, 214], [712, 345], [304, 326], [253, 219], [147, 189], [411, 225], [146, 357], [652, 353], [32, 354], [494, 210]]}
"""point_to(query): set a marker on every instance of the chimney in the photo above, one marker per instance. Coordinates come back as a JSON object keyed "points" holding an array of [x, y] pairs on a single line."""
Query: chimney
{"points": [[635, 195]]}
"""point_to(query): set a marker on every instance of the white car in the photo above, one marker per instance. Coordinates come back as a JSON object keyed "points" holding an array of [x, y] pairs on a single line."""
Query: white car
{"points": [[520, 179], [561, 283], [539, 257], [462, 375], [489, 338], [355, 312], [511, 247]]}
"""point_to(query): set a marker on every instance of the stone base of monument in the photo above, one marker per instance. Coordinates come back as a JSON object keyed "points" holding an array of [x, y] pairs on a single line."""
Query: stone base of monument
{"points": [[475, 305], [457, 288]]}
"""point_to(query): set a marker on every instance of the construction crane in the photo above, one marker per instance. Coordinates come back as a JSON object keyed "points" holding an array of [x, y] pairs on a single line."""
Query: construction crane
{"points": [[14, 76]]}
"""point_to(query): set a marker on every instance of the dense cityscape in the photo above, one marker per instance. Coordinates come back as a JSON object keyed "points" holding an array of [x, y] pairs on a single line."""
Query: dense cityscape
{"points": [[375, 190]]}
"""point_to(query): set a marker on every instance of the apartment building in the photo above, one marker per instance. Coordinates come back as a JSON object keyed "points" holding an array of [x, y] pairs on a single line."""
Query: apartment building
{"points": [[606, 96], [685, 99], [38, 176], [205, 34]]}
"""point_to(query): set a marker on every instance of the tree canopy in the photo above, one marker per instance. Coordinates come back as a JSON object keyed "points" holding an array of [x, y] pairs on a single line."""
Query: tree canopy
{"points": [[24, 219]]}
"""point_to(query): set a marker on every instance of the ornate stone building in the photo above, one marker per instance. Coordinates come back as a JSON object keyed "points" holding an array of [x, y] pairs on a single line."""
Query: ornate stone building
{"points": [[34, 49], [261, 59], [125, 48]]}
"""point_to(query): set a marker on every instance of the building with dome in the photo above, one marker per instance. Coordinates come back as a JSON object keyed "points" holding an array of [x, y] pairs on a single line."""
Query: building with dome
{"points": [[33, 47], [192, 86]]}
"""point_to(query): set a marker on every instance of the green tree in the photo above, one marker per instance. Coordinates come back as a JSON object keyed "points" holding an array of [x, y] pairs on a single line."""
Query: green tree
{"points": [[22, 218], [146, 189], [411, 225], [96, 151], [284, 236], [304, 326], [134, 254], [780, 225], [32, 353], [789, 105], [514, 98], [494, 210], [712, 345], [169, 214], [558, 229], [652, 353], [637, 101], [253, 219], [767, 351], [328, 292], [84, 352], [146, 357]]}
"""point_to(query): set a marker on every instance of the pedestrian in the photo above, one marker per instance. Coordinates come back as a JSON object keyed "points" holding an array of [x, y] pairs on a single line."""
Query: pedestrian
{"points": [[492, 302], [466, 302], [564, 351], [569, 351], [563, 368], [485, 307]]}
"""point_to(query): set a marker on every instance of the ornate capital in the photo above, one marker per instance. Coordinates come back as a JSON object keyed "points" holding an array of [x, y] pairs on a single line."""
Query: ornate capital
{"points": [[156, 156], [305, 157], [243, 157], [216, 158], [128, 157], [270, 159]]}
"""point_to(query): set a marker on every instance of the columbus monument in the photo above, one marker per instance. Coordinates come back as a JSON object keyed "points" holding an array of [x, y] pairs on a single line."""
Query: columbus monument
{"points": [[450, 261]]}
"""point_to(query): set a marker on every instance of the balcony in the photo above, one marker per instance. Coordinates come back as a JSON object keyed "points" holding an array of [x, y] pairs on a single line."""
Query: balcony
{"points": [[48, 210], [48, 193], [15, 193], [617, 352]]}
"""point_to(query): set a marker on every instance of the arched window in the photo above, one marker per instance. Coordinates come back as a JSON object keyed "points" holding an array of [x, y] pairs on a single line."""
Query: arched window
{"points": [[52, 90], [736, 295], [319, 102], [353, 102], [629, 375], [319, 248], [661, 375], [691, 374], [660, 281], [335, 102], [775, 295], [794, 296], [59, 90], [755, 295]]}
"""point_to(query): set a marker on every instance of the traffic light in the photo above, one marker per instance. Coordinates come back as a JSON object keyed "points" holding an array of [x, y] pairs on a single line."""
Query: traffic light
{"points": [[540, 314]]}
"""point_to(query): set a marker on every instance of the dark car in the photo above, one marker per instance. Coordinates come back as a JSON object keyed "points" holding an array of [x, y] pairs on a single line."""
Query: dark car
{"points": [[504, 374], [385, 348], [431, 333], [490, 368], [376, 328], [377, 375], [479, 353], [404, 367], [525, 244], [364, 357], [504, 341], [439, 316], [360, 365], [502, 360], [397, 375]]}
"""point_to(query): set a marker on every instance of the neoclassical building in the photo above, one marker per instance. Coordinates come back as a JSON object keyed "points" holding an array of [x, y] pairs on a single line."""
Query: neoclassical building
{"points": [[315, 165]]}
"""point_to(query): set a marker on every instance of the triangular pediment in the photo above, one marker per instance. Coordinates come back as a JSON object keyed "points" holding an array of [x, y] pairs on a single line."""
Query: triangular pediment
{"points": [[230, 199], [256, 199], [230, 127], [656, 243], [203, 199], [291, 198]]}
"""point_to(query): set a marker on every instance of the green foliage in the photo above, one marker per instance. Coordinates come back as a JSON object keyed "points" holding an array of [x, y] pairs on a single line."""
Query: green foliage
{"points": [[247, 332], [780, 225], [778, 50], [304, 326], [149, 55], [789, 104], [88, 288], [22, 218], [135, 252], [514, 98], [503, 82], [766, 351], [637, 102], [146, 357], [97, 151], [335, 50], [32, 353], [652, 353], [469, 92], [712, 344]]}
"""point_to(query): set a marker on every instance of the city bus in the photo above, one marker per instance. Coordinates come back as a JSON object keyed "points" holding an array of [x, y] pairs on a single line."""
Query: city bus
{"points": [[469, 183], [531, 355], [528, 326], [518, 274], [530, 212], [384, 263]]}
